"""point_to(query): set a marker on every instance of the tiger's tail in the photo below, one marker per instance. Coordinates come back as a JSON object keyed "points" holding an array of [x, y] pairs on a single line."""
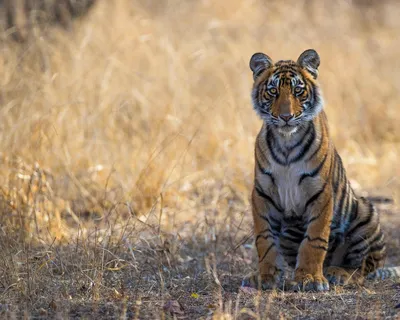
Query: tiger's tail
{"points": [[385, 273]]}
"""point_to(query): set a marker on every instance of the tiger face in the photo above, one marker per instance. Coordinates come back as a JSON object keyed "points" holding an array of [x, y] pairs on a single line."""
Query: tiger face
{"points": [[286, 94]]}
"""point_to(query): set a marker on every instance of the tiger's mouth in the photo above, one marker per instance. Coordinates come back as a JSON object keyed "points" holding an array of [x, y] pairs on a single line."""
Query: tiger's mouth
{"points": [[286, 124]]}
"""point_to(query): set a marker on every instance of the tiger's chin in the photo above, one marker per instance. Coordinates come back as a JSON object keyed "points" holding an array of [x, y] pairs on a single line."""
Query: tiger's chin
{"points": [[287, 130]]}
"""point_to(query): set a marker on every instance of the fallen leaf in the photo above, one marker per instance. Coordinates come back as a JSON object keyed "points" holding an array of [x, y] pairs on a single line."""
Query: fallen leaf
{"points": [[173, 307], [53, 305]]}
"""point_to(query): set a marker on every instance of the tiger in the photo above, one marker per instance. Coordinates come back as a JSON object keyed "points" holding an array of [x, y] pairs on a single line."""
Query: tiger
{"points": [[306, 215]]}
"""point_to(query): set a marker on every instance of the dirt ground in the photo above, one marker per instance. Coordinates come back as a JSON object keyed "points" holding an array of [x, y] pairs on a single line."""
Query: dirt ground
{"points": [[194, 274]]}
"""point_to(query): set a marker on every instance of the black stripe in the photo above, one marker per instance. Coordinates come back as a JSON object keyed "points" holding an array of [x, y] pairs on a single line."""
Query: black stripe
{"points": [[334, 244], [278, 148], [275, 230], [378, 247], [291, 254], [341, 200], [264, 237], [268, 198], [318, 148], [259, 155], [293, 219], [362, 223], [310, 88], [301, 139], [266, 172], [331, 166], [262, 111], [306, 147], [319, 247], [320, 213], [288, 248], [364, 249], [369, 245], [291, 238], [314, 197], [271, 143], [315, 98], [316, 239], [379, 237], [314, 172], [297, 234], [267, 229], [283, 70], [356, 243], [347, 205], [341, 174], [273, 220], [336, 175], [348, 200], [354, 211], [269, 248]]}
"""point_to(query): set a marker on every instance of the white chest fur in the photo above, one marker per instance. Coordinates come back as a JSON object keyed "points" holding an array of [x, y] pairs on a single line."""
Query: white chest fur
{"points": [[291, 195]]}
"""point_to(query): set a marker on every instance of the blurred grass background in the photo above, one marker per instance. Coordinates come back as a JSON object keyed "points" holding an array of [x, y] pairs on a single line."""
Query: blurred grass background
{"points": [[146, 102], [126, 151]]}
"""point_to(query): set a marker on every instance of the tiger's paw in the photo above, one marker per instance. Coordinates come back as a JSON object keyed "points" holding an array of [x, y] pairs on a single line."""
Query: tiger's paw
{"points": [[309, 282], [259, 281], [341, 276]]}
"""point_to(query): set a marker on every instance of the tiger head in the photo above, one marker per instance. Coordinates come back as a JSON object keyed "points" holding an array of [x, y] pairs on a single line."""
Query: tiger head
{"points": [[286, 94]]}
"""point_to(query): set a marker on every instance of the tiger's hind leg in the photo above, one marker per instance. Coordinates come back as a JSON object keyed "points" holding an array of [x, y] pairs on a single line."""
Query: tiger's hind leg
{"points": [[363, 250], [354, 274], [343, 276]]}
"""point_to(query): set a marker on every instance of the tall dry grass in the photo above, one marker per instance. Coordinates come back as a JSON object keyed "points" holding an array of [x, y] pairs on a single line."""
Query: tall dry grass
{"points": [[147, 104], [126, 153]]}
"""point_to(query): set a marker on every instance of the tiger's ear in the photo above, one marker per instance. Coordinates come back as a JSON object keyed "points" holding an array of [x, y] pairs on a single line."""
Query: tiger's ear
{"points": [[258, 63], [309, 60]]}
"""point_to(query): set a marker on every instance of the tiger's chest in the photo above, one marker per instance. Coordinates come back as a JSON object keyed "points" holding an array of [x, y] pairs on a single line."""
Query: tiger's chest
{"points": [[291, 190]]}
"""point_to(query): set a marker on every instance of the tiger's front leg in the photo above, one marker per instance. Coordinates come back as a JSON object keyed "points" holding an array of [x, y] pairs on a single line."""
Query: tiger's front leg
{"points": [[309, 267], [270, 262]]}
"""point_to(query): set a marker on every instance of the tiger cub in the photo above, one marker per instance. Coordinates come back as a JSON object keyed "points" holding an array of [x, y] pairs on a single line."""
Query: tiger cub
{"points": [[305, 212]]}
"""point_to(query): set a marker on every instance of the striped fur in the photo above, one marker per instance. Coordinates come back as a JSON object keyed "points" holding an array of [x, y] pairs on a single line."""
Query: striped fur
{"points": [[385, 273], [305, 212]]}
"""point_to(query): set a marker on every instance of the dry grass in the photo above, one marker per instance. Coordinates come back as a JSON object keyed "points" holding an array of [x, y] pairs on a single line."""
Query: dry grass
{"points": [[127, 155]]}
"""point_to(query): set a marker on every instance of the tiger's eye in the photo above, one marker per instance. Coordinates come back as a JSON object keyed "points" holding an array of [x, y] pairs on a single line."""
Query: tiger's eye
{"points": [[298, 90], [273, 91]]}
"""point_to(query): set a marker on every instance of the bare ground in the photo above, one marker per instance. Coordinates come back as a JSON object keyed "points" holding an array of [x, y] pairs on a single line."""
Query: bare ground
{"points": [[194, 272]]}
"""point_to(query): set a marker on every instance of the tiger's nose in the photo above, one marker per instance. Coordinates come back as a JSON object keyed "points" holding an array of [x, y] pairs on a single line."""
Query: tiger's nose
{"points": [[286, 116]]}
